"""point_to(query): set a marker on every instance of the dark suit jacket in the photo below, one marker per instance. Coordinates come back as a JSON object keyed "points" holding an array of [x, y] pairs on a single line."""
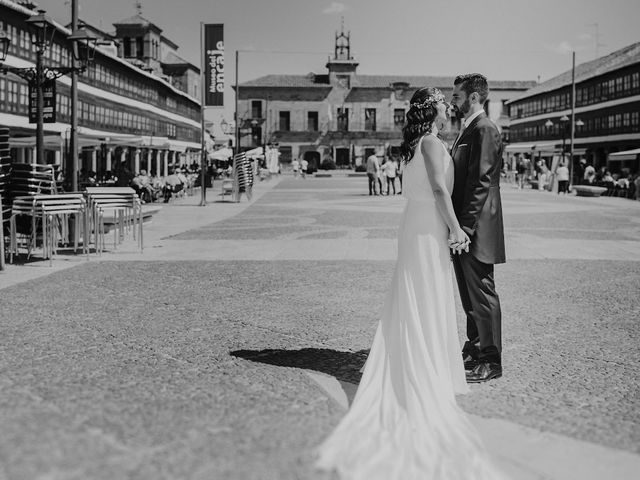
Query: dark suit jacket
{"points": [[477, 159]]}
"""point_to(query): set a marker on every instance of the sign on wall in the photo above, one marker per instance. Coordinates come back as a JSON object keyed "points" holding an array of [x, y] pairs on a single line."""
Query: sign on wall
{"points": [[214, 65], [48, 101]]}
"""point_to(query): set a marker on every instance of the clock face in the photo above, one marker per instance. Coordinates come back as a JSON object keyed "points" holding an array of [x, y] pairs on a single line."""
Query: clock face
{"points": [[343, 81]]}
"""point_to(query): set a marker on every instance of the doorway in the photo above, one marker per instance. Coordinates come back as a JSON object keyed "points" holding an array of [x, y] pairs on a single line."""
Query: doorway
{"points": [[342, 158]]}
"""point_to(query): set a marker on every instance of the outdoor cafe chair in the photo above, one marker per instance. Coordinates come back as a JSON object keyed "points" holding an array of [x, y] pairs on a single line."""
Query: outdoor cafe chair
{"points": [[125, 206], [49, 215]]}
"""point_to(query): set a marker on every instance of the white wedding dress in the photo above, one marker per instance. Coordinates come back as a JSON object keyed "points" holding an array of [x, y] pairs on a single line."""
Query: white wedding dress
{"points": [[404, 422]]}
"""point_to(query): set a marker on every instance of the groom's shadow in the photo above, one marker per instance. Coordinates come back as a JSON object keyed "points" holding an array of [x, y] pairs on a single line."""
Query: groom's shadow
{"points": [[344, 366]]}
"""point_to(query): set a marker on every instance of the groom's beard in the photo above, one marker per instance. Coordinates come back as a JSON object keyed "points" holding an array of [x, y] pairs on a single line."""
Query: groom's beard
{"points": [[464, 108]]}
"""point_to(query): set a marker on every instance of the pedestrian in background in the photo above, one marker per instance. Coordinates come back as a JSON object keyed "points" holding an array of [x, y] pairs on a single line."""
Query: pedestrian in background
{"points": [[304, 165], [521, 171], [563, 178], [295, 165], [372, 173], [379, 176], [390, 172]]}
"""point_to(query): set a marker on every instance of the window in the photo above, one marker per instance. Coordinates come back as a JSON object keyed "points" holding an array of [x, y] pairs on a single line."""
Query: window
{"points": [[626, 119], [139, 47], [398, 117], [619, 85], [635, 81], [618, 120], [256, 109], [285, 121], [370, 119], [635, 119], [312, 121], [343, 119]]}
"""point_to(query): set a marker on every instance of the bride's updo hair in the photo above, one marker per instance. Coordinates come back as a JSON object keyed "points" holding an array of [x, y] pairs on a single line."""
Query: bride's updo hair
{"points": [[422, 112]]}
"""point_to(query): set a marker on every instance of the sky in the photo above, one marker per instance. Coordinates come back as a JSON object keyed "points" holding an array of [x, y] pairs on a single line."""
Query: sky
{"points": [[503, 39]]}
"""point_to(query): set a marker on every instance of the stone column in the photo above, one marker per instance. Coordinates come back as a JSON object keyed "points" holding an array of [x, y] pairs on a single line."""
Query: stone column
{"points": [[159, 156], [108, 165], [136, 162], [94, 160], [166, 163], [58, 157]]}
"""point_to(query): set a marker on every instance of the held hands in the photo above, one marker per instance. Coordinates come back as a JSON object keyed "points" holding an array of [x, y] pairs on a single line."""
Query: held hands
{"points": [[458, 241]]}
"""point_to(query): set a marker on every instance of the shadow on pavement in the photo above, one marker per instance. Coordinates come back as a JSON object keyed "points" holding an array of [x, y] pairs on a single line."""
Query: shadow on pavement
{"points": [[344, 366]]}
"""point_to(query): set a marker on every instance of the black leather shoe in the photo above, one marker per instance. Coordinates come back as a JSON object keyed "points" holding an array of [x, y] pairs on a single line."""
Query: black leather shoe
{"points": [[469, 362], [483, 372]]}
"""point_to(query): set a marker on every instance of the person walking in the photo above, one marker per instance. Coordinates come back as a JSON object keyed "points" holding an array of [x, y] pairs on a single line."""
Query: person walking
{"points": [[373, 167], [390, 172], [477, 155], [304, 165], [563, 178], [295, 166]]}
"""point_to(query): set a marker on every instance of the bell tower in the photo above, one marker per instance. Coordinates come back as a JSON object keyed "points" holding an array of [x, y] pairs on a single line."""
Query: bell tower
{"points": [[342, 67]]}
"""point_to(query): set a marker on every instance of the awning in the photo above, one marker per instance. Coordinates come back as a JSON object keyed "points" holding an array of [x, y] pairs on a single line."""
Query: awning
{"points": [[626, 155], [221, 154], [545, 147]]}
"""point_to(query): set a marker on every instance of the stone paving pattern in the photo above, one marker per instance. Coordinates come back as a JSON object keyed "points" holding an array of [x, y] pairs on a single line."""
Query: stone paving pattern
{"points": [[160, 367]]}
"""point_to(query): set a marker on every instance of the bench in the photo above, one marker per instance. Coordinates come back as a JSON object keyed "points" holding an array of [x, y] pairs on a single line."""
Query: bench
{"points": [[588, 190]]}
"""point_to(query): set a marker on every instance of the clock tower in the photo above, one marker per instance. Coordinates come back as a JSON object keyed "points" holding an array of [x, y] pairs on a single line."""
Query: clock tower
{"points": [[342, 67]]}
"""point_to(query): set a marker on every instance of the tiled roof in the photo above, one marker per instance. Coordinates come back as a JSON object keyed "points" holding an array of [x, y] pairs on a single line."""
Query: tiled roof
{"points": [[376, 81], [172, 58], [309, 80], [624, 57], [135, 20]]}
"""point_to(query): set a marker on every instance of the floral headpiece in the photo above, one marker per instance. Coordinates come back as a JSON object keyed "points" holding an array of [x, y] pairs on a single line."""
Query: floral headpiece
{"points": [[431, 100]]}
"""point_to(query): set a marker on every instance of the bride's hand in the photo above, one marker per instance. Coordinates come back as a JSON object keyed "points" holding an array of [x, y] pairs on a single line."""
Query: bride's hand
{"points": [[458, 240]]}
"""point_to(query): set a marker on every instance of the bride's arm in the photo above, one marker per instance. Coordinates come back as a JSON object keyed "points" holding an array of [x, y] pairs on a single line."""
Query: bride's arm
{"points": [[433, 155]]}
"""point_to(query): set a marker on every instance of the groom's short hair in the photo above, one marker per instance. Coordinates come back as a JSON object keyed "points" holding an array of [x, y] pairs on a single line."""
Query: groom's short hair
{"points": [[473, 82]]}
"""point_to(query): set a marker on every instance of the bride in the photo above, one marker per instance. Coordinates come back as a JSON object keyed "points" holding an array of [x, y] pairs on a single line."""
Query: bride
{"points": [[404, 422]]}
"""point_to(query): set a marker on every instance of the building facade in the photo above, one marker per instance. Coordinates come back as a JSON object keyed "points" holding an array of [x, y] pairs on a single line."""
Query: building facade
{"points": [[341, 116], [607, 112], [125, 113]]}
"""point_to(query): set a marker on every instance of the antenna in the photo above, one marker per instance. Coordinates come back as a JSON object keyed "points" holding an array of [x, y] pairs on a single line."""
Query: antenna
{"points": [[139, 7]]}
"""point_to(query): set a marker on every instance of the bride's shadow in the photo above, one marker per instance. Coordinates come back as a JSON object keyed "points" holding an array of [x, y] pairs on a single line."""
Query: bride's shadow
{"points": [[344, 366]]}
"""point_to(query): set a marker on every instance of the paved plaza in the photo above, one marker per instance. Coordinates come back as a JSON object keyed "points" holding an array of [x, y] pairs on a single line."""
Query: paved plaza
{"points": [[232, 346]]}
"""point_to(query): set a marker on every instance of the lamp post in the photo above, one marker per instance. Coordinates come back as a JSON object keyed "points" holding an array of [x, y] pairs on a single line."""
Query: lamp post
{"points": [[563, 122], [42, 32]]}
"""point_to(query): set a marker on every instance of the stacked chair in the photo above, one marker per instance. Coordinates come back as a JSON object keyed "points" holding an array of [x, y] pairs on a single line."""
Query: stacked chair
{"points": [[126, 209], [50, 213], [5, 203], [26, 181]]}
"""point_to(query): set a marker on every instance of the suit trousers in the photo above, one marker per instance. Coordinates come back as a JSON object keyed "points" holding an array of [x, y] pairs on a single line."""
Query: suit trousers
{"points": [[481, 305]]}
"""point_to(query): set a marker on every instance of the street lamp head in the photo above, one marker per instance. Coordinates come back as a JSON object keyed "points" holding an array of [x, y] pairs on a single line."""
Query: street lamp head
{"points": [[579, 123], [42, 31], [548, 124], [5, 40], [564, 118], [84, 45]]}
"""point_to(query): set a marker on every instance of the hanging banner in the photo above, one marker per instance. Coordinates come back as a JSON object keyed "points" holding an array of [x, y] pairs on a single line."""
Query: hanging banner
{"points": [[214, 64]]}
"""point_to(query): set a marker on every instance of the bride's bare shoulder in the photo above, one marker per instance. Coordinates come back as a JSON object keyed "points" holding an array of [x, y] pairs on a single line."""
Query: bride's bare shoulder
{"points": [[430, 143]]}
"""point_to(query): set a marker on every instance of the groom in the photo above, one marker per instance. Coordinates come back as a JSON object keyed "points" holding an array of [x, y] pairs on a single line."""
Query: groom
{"points": [[477, 158]]}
